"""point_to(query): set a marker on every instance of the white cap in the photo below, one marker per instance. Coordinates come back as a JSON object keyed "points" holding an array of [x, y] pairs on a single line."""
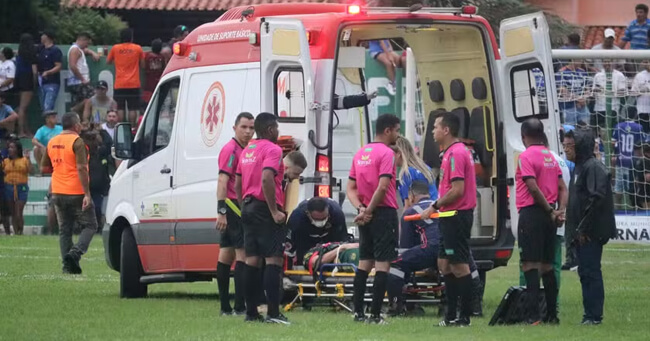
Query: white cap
{"points": [[610, 33]]}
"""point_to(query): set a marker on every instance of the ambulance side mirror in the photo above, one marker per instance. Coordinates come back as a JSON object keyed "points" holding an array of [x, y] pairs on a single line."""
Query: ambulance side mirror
{"points": [[123, 146]]}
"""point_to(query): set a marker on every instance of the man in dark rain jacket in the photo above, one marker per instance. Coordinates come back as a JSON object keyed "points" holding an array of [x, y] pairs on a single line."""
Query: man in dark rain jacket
{"points": [[590, 219]]}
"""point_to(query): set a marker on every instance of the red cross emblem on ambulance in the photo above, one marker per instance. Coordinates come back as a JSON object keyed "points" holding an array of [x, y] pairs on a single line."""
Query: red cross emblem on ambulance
{"points": [[213, 113]]}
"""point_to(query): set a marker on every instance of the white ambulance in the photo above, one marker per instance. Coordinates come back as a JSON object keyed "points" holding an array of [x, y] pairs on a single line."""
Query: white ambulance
{"points": [[162, 206]]}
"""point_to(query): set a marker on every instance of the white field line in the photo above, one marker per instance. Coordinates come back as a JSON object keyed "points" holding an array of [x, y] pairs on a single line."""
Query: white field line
{"points": [[27, 248], [72, 278], [90, 259], [627, 250]]}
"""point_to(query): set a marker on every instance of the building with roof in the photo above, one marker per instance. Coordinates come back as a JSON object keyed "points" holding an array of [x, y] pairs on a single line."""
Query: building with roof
{"points": [[593, 16]]}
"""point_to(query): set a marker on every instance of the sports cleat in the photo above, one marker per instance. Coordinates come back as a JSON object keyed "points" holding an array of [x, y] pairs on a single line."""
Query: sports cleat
{"points": [[226, 313], [533, 322], [376, 320], [254, 318], [280, 319], [72, 263], [359, 317], [238, 313]]}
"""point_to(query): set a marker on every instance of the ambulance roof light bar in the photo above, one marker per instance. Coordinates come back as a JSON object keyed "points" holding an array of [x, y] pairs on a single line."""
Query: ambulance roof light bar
{"points": [[469, 10]]}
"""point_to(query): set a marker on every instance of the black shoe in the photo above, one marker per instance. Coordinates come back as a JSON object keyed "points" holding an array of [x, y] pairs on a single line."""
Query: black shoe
{"points": [[376, 320], [239, 313], [359, 317], [72, 263], [280, 319], [590, 322], [66, 270], [460, 322], [226, 313], [254, 318], [568, 266], [554, 320], [533, 322]]}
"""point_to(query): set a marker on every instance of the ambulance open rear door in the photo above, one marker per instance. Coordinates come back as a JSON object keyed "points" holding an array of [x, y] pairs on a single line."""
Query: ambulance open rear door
{"points": [[287, 90], [527, 89]]}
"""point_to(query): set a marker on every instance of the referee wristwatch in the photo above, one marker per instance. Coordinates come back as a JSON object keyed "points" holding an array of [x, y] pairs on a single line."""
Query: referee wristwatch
{"points": [[435, 205], [221, 207]]}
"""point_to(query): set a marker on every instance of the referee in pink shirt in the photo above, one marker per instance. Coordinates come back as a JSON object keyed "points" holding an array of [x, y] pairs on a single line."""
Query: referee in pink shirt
{"points": [[539, 187], [457, 193], [371, 189], [259, 183]]}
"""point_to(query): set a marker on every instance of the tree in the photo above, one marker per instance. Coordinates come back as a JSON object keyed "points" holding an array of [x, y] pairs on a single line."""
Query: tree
{"points": [[497, 10], [104, 29]]}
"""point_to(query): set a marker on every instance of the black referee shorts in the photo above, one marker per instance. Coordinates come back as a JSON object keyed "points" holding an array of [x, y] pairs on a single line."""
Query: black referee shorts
{"points": [[455, 233], [263, 237], [233, 235], [378, 238], [536, 233]]}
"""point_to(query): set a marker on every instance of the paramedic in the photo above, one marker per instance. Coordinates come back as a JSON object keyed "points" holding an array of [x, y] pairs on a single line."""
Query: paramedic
{"points": [[316, 221], [228, 222], [371, 189], [67, 160], [457, 193], [539, 189], [591, 216], [259, 183]]}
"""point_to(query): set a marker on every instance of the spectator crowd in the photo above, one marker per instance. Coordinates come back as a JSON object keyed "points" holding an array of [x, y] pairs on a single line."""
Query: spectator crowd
{"points": [[37, 69]]}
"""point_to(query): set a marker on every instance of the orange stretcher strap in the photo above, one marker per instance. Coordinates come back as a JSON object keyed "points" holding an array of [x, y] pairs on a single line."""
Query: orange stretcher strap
{"points": [[415, 217]]}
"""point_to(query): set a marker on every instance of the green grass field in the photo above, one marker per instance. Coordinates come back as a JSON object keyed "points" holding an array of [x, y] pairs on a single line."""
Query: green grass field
{"points": [[39, 303]]}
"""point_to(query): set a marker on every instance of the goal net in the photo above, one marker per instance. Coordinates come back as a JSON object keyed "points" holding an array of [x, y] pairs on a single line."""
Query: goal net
{"points": [[609, 94]]}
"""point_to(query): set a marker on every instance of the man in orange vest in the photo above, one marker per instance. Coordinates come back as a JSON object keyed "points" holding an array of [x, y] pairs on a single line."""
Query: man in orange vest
{"points": [[67, 160]]}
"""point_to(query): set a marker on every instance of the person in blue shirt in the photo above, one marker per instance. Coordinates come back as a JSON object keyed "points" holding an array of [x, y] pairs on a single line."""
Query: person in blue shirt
{"points": [[637, 32], [412, 168], [572, 81], [420, 239], [44, 134], [626, 135], [382, 51], [50, 60]]}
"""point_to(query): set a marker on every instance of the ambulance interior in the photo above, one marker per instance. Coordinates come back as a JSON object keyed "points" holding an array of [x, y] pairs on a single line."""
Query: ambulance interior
{"points": [[453, 74]]}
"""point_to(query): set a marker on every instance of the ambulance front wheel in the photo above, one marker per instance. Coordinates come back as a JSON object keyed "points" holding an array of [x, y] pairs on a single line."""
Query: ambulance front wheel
{"points": [[130, 268]]}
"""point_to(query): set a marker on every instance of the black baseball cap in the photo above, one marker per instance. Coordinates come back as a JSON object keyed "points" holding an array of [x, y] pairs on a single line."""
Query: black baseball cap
{"points": [[101, 85], [49, 113]]}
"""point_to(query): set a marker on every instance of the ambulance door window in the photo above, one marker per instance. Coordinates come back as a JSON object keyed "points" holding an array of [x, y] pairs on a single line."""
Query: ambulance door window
{"points": [[159, 120], [528, 92], [290, 96]]}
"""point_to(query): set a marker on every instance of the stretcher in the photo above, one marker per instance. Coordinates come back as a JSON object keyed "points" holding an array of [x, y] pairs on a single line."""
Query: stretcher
{"points": [[332, 285]]}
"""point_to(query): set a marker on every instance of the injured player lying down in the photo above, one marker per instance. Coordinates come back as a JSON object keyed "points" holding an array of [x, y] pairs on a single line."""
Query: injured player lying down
{"points": [[420, 241]]}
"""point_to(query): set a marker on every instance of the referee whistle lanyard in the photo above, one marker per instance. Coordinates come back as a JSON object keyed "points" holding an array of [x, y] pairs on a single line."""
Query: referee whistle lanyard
{"points": [[233, 207]]}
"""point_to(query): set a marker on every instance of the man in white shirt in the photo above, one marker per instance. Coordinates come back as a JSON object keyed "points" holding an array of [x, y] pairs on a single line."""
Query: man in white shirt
{"points": [[602, 91], [111, 122], [607, 44], [641, 88]]}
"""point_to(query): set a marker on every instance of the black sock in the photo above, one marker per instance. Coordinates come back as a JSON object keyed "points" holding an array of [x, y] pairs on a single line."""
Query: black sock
{"points": [[395, 286], [360, 280], [465, 293], [451, 292], [378, 293], [261, 296], [272, 281], [240, 303], [223, 281], [532, 291], [251, 293], [550, 291]]}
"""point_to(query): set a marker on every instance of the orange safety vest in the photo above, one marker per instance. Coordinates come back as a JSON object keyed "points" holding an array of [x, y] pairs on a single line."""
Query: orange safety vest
{"points": [[65, 179]]}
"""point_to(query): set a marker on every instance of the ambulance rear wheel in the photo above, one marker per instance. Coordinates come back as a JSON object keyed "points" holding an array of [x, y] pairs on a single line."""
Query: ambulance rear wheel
{"points": [[130, 268]]}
